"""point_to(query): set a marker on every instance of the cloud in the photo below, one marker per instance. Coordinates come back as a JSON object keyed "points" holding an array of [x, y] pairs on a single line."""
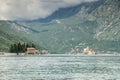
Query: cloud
{"points": [[33, 9]]}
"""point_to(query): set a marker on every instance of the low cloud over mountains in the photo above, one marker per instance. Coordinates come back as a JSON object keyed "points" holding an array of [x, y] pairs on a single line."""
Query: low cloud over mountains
{"points": [[33, 9]]}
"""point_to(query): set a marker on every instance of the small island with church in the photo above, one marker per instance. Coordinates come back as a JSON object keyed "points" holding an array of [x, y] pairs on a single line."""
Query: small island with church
{"points": [[24, 49]]}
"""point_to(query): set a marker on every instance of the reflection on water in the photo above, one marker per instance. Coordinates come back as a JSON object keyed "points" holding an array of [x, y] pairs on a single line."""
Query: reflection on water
{"points": [[60, 67]]}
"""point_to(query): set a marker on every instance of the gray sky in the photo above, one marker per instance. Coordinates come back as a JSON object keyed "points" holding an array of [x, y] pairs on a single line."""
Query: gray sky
{"points": [[33, 9]]}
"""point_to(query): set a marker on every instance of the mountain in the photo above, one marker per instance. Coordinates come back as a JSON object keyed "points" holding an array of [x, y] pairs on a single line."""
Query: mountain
{"points": [[108, 20], [8, 36], [63, 13], [93, 24], [12, 32]]}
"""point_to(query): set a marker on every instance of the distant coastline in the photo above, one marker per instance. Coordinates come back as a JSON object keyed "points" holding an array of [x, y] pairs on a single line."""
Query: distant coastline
{"points": [[80, 54]]}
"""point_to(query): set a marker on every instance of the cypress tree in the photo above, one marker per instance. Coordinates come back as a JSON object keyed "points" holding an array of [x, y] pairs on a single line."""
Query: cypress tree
{"points": [[23, 47], [33, 45], [15, 48], [18, 47]]}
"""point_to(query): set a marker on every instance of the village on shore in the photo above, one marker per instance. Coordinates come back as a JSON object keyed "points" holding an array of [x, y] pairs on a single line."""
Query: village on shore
{"points": [[86, 51]]}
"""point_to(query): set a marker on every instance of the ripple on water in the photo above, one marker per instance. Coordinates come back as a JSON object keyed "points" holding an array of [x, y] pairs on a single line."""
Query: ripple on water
{"points": [[60, 68]]}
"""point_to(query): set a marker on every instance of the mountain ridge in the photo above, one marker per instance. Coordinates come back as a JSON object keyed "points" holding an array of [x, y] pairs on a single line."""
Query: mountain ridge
{"points": [[70, 11]]}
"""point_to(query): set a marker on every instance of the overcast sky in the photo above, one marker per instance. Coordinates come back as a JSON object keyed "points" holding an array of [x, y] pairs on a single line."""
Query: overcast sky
{"points": [[33, 9]]}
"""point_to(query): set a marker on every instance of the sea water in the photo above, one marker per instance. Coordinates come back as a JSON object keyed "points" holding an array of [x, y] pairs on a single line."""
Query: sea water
{"points": [[60, 67]]}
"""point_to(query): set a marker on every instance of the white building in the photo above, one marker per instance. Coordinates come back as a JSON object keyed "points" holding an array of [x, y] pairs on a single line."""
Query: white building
{"points": [[88, 51]]}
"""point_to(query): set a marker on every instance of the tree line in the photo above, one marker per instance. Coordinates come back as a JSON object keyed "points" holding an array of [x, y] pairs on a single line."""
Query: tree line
{"points": [[20, 47]]}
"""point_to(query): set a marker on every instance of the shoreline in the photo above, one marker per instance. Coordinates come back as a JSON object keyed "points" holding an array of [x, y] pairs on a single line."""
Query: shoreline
{"points": [[5, 54], [99, 53]]}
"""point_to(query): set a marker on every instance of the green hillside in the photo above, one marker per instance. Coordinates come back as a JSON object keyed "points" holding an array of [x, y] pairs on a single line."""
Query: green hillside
{"points": [[8, 36], [108, 20]]}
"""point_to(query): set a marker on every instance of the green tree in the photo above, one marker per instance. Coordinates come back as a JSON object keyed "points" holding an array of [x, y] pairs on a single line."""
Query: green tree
{"points": [[24, 47], [19, 47], [33, 45], [15, 48]]}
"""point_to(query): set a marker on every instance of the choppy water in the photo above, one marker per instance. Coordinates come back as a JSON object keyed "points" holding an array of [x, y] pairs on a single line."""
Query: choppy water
{"points": [[60, 67]]}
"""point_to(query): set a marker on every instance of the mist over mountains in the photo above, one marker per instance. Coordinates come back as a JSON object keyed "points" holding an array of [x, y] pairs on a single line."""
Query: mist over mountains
{"points": [[33, 9], [94, 24]]}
